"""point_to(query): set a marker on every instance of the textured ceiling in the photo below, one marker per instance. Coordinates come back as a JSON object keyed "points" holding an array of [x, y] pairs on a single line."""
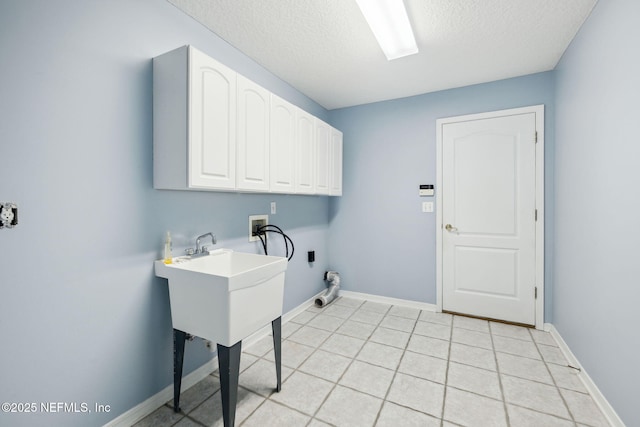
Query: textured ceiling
{"points": [[326, 50]]}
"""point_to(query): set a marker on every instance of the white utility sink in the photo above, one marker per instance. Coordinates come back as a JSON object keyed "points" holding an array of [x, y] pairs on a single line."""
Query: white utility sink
{"points": [[224, 296]]}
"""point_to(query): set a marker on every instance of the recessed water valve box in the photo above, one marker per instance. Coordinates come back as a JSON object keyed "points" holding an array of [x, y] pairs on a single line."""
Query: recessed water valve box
{"points": [[255, 222], [8, 215]]}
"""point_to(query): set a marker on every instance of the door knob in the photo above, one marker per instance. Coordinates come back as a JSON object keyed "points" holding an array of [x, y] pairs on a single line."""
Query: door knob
{"points": [[450, 227]]}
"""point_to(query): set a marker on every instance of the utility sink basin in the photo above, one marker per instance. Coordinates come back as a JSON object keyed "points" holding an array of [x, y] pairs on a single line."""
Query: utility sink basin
{"points": [[224, 296]]}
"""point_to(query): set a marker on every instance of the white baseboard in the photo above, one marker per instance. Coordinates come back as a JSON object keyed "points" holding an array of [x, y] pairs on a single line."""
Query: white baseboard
{"points": [[302, 307], [145, 408], [389, 300], [604, 405]]}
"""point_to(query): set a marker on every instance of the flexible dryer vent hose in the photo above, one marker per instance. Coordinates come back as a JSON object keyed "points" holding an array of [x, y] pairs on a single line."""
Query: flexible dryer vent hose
{"points": [[333, 277]]}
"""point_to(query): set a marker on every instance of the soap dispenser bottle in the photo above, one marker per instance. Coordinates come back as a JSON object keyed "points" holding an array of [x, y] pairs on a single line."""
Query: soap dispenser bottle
{"points": [[168, 259]]}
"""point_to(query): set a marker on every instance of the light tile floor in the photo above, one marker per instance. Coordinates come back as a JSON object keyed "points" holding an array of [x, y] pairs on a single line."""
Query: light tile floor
{"points": [[362, 363]]}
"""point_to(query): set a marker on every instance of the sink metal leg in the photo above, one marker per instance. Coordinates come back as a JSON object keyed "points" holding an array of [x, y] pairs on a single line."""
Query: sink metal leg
{"points": [[276, 327], [229, 366], [179, 338]]}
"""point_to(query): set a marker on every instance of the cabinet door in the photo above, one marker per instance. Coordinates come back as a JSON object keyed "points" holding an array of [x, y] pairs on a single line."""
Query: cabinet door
{"points": [[335, 164], [282, 146], [322, 157], [253, 136], [305, 153], [212, 123]]}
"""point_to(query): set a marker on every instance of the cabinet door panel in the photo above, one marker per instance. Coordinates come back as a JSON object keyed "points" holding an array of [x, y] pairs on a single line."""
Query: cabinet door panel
{"points": [[253, 136], [282, 146], [305, 153], [335, 166], [212, 118], [322, 157]]}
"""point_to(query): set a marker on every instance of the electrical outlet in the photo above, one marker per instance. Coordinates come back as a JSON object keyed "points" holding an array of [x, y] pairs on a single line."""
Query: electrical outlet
{"points": [[273, 208], [256, 221], [8, 215]]}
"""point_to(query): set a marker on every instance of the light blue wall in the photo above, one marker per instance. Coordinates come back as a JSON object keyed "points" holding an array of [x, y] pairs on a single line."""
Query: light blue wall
{"points": [[380, 241], [597, 273], [82, 317]]}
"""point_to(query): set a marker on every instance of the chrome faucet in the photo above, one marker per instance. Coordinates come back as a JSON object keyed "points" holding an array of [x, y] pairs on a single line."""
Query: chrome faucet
{"points": [[201, 250]]}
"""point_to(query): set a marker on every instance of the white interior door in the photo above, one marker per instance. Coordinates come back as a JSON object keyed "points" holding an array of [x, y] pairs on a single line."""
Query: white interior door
{"points": [[488, 217]]}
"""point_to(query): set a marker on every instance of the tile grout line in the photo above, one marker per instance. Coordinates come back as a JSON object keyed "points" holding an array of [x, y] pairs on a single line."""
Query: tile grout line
{"points": [[315, 350], [313, 416], [446, 374], [377, 326], [553, 379], [262, 357], [373, 365], [335, 385], [504, 397], [331, 333], [451, 342], [485, 369], [501, 374], [395, 372], [491, 333], [192, 420], [188, 414]]}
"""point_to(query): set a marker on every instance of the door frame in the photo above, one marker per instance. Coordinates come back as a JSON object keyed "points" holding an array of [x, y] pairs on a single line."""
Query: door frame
{"points": [[539, 203]]}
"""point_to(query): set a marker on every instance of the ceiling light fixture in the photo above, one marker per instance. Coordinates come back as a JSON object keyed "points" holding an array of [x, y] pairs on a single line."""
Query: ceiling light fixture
{"points": [[390, 24]]}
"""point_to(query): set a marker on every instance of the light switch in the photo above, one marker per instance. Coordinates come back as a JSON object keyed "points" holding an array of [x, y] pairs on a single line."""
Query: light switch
{"points": [[427, 206], [273, 208]]}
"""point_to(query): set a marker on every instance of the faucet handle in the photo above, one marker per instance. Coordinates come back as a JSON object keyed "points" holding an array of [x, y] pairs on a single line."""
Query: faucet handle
{"points": [[190, 251], [204, 250]]}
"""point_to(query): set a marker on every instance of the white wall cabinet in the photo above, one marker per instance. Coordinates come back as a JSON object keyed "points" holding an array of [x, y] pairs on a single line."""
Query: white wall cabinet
{"points": [[254, 105], [214, 129]]}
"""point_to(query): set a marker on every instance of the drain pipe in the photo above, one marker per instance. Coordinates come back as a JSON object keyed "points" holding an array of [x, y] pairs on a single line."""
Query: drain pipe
{"points": [[333, 277]]}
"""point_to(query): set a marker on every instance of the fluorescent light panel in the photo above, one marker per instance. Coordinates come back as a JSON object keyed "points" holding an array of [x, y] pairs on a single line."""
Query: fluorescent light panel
{"points": [[390, 24]]}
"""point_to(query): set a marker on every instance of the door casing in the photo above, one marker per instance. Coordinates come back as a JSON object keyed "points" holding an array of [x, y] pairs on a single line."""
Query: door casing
{"points": [[539, 225]]}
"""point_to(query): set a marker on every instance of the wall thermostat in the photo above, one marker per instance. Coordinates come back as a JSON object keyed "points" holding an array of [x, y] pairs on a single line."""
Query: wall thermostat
{"points": [[426, 190]]}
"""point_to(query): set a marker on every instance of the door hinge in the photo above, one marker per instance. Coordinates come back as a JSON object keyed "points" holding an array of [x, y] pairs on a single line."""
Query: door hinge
{"points": [[535, 292], [536, 137], [536, 215]]}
